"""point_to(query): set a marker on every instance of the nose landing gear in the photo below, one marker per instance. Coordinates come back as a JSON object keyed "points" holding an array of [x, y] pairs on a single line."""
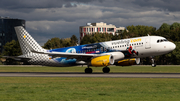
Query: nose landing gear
{"points": [[153, 62]]}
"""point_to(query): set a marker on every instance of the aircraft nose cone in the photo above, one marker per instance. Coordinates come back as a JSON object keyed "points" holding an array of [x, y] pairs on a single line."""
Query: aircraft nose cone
{"points": [[173, 46]]}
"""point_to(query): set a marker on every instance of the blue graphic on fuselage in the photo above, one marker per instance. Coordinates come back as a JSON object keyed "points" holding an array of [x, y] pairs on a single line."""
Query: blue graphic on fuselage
{"points": [[88, 49], [63, 60], [95, 48]]}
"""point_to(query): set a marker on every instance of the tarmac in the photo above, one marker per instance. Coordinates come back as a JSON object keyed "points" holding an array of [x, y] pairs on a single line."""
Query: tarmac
{"points": [[81, 74]]}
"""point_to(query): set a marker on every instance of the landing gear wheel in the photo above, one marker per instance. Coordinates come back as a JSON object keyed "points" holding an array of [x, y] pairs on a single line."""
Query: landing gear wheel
{"points": [[153, 62], [88, 70], [154, 65], [106, 70]]}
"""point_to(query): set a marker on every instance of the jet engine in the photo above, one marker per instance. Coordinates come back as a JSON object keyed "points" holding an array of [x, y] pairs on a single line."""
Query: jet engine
{"points": [[100, 61], [128, 62], [117, 55]]}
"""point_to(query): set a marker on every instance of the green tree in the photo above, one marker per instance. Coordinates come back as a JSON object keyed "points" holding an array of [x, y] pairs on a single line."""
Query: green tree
{"points": [[174, 26], [12, 49], [85, 40], [48, 45], [96, 37], [175, 55], [74, 40], [59, 43], [164, 26]]}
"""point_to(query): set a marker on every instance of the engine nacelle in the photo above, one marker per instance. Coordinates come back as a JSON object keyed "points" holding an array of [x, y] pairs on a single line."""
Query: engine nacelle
{"points": [[117, 55], [128, 62], [100, 61]]}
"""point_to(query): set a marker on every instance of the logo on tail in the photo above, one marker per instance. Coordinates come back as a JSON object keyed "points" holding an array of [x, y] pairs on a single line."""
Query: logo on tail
{"points": [[25, 38]]}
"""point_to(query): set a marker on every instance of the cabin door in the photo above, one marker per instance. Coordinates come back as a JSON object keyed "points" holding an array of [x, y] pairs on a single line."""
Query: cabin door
{"points": [[147, 43]]}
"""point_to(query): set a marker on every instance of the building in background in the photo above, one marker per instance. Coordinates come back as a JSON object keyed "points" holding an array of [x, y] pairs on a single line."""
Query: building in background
{"points": [[100, 28], [7, 31]]}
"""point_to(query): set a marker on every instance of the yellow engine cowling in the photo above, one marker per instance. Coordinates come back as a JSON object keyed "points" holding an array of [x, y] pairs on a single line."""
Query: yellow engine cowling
{"points": [[128, 62], [100, 61]]}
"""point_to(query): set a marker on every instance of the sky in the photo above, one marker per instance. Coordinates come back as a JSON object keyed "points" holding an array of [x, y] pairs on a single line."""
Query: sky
{"points": [[46, 19]]}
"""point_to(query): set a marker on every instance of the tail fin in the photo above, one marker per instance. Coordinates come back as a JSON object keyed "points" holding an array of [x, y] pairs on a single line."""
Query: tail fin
{"points": [[24, 37]]}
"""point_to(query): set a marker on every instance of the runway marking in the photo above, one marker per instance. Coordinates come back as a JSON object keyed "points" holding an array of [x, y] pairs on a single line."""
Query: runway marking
{"points": [[109, 75]]}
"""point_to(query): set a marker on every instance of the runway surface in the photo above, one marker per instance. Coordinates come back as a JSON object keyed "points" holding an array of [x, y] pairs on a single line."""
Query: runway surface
{"points": [[109, 75]]}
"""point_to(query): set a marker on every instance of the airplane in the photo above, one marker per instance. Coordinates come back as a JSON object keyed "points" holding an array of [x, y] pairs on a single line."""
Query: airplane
{"points": [[124, 52]]}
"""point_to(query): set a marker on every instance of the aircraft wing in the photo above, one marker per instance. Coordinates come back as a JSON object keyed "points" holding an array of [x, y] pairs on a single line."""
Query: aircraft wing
{"points": [[78, 56]]}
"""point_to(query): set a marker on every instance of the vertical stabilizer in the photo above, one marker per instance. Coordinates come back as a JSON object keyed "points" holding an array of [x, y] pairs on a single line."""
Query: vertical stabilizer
{"points": [[24, 37]]}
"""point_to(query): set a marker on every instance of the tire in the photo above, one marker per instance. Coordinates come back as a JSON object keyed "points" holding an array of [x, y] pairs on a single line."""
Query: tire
{"points": [[153, 65], [106, 70], [88, 70]]}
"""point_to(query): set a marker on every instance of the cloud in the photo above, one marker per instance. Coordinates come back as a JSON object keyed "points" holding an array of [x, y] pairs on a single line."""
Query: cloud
{"points": [[170, 5], [46, 19]]}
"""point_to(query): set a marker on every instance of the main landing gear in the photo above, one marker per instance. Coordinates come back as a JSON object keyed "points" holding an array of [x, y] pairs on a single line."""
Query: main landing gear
{"points": [[88, 70], [105, 70]]}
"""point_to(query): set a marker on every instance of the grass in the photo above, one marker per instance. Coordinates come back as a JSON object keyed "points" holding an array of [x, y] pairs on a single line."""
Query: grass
{"points": [[88, 89], [114, 69]]}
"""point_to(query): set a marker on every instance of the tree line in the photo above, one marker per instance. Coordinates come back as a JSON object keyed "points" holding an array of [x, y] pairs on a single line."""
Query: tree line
{"points": [[60, 43], [171, 32]]}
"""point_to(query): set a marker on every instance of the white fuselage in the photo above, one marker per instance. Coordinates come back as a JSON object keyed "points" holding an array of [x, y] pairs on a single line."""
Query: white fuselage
{"points": [[145, 46]]}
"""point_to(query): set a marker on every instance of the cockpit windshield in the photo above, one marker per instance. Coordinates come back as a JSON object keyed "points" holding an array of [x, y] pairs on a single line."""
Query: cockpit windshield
{"points": [[162, 40]]}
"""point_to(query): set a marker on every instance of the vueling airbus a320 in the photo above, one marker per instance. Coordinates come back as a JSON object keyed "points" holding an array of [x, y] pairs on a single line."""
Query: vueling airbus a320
{"points": [[123, 52]]}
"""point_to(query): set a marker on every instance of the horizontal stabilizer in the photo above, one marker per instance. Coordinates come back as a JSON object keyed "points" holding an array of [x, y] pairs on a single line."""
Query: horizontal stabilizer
{"points": [[18, 58]]}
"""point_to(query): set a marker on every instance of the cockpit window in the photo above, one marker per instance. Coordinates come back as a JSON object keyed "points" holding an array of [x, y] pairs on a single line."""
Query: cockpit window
{"points": [[165, 40], [161, 40]]}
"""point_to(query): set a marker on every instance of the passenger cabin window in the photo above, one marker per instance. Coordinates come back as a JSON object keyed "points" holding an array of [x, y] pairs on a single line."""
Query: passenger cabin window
{"points": [[101, 49], [105, 49]]}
